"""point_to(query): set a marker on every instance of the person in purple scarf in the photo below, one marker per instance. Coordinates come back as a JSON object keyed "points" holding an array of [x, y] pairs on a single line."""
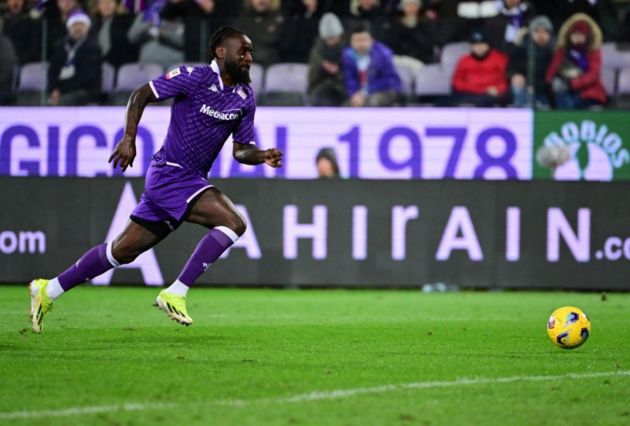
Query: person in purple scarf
{"points": [[574, 72], [505, 28]]}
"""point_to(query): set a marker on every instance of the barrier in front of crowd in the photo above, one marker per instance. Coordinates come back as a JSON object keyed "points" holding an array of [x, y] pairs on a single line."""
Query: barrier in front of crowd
{"points": [[386, 233], [393, 143]]}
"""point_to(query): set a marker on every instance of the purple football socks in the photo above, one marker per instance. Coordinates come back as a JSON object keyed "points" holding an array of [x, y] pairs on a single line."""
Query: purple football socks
{"points": [[207, 252], [92, 264]]}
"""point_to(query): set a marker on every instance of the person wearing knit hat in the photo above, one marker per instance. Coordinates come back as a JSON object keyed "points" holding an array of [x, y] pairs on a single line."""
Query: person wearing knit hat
{"points": [[74, 75], [540, 38], [541, 22], [78, 17], [325, 79], [480, 78], [575, 70], [330, 26]]}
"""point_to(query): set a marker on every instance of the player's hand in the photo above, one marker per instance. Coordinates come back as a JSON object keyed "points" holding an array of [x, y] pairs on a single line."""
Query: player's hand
{"points": [[273, 157], [124, 153]]}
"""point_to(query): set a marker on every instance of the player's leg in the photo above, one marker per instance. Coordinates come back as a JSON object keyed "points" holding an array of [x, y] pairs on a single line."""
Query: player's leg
{"points": [[133, 241], [213, 210]]}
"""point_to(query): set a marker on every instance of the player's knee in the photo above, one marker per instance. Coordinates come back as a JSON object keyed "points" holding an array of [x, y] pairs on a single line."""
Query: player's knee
{"points": [[124, 255], [238, 225]]}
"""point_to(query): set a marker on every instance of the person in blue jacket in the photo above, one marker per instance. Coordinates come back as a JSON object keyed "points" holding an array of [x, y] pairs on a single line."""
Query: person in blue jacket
{"points": [[369, 75]]}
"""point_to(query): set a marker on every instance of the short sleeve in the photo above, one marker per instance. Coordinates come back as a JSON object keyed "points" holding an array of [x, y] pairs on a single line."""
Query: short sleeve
{"points": [[178, 81], [244, 132]]}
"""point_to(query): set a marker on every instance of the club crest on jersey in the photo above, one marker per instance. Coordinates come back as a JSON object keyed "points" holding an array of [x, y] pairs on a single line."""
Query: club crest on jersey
{"points": [[213, 88], [189, 70], [173, 73]]}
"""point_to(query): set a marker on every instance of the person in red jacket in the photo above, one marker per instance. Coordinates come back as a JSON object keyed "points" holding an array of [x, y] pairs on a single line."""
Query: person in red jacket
{"points": [[480, 78], [574, 71]]}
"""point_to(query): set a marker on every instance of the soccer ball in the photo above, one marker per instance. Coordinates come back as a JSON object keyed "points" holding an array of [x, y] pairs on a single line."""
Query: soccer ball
{"points": [[568, 327]]}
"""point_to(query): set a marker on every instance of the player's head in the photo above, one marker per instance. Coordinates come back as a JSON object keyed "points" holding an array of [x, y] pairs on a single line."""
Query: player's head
{"points": [[233, 49], [361, 39]]}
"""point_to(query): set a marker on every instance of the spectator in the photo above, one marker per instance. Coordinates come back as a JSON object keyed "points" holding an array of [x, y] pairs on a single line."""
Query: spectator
{"points": [[56, 15], [411, 35], [370, 11], [541, 37], [262, 22], [481, 77], [8, 62], [201, 19], [327, 166], [325, 79], [110, 30], [366, 10], [513, 16], [601, 11], [300, 31], [74, 76], [23, 32], [574, 73], [369, 74], [161, 40]]}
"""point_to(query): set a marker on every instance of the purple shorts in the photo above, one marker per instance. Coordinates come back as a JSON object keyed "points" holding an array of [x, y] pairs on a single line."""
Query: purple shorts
{"points": [[167, 195]]}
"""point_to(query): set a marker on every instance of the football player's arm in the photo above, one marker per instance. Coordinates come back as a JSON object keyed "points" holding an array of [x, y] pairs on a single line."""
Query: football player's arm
{"points": [[250, 154], [125, 150]]}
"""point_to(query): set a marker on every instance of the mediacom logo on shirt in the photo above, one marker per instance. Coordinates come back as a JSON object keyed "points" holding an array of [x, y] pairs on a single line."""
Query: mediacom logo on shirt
{"points": [[219, 115]]}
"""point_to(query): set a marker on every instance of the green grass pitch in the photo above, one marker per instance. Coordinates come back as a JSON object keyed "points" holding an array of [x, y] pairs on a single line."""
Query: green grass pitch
{"points": [[258, 357]]}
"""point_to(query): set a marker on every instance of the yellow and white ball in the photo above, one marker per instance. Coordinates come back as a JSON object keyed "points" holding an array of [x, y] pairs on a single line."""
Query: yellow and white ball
{"points": [[568, 327]]}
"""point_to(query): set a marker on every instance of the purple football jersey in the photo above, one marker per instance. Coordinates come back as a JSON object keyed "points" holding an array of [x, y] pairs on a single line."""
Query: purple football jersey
{"points": [[203, 116]]}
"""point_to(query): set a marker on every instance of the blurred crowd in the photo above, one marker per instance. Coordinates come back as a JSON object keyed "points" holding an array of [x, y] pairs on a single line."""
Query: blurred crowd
{"points": [[520, 51]]}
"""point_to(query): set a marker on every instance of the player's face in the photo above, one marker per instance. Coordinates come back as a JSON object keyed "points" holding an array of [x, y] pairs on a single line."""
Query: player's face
{"points": [[238, 58]]}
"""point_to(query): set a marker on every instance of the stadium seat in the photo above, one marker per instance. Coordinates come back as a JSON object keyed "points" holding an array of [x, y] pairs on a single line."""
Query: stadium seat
{"points": [[614, 58], [609, 76], [108, 75], [286, 85], [407, 71], [624, 82], [433, 81], [452, 53], [32, 83], [257, 74], [130, 77]]}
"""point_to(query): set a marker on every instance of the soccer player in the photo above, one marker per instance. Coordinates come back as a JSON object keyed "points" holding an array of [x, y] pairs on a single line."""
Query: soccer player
{"points": [[211, 102]]}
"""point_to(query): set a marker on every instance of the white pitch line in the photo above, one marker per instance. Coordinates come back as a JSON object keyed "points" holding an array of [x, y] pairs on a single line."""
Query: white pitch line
{"points": [[307, 397], [77, 411], [346, 393]]}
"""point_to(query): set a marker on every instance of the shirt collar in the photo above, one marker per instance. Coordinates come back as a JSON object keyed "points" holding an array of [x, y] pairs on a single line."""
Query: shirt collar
{"points": [[215, 68]]}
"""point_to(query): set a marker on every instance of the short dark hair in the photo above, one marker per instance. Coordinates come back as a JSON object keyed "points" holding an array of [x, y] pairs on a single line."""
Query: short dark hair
{"points": [[361, 27], [219, 36]]}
